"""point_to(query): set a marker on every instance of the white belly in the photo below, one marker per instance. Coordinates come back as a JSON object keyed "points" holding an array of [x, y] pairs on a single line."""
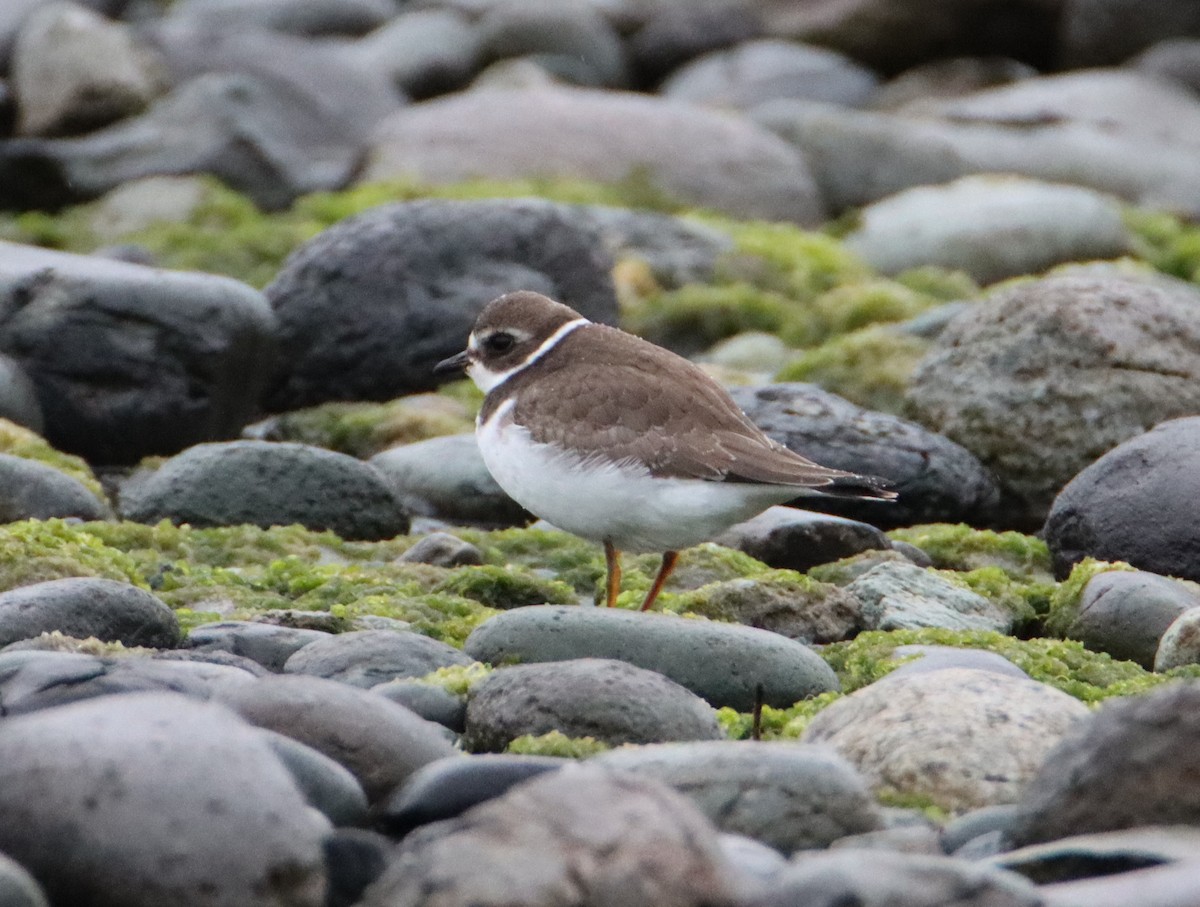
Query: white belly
{"points": [[621, 504]]}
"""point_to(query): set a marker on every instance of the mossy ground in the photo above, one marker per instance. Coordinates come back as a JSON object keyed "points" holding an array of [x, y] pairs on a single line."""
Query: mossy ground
{"points": [[22, 442]]}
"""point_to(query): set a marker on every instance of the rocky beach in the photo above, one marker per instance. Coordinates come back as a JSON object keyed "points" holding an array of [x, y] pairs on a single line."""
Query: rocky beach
{"points": [[271, 635]]}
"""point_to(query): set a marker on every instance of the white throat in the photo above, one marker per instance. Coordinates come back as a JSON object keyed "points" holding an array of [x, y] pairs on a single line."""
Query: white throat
{"points": [[486, 379]]}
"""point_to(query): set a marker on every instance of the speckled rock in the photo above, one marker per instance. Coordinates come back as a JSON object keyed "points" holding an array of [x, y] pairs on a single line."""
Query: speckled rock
{"points": [[269, 645], [157, 799], [960, 737], [612, 701], [799, 540], [722, 663], [30, 490], [268, 484], [580, 836], [85, 606], [901, 596], [787, 795], [365, 658]]}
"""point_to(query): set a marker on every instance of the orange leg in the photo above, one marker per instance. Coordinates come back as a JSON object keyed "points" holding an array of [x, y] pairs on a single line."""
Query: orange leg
{"points": [[612, 560], [669, 559]]}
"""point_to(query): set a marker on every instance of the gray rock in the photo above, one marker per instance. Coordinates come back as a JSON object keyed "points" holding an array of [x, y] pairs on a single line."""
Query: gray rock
{"points": [[703, 157], [12, 15], [448, 787], [1170, 885], [1126, 614], [18, 396], [1043, 378], [756, 864], [758, 71], [366, 658], [30, 490], [73, 71], [722, 663], [786, 795], [962, 830], [1176, 59], [157, 799], [571, 40], [355, 857], [327, 786], [301, 17], [937, 480], [790, 539], [1104, 32], [83, 607], [992, 227], [433, 703], [896, 880], [424, 52], [902, 596], [269, 645], [1104, 853], [223, 659], [939, 658], [131, 361], [144, 203], [612, 701], [17, 887], [31, 680], [908, 838], [1127, 766], [446, 478], [441, 549], [673, 33], [1130, 505], [1180, 644], [950, 78], [269, 484], [422, 271], [899, 734], [381, 743], [580, 836]]}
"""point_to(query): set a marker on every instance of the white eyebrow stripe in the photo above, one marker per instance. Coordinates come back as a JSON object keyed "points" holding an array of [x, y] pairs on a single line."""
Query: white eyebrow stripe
{"points": [[495, 379]]}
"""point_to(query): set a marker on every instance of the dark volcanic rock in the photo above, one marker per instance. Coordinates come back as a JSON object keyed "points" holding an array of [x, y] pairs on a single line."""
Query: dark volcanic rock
{"points": [[83, 607], [269, 645], [367, 308], [30, 490], [130, 361], [797, 540], [365, 658], [1133, 504], [937, 480], [268, 484]]}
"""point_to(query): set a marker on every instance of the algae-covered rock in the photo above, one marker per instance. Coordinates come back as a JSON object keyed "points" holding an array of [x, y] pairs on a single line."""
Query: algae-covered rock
{"points": [[961, 547], [23, 442]]}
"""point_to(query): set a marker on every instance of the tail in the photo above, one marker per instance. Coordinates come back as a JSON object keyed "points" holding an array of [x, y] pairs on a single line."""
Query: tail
{"points": [[850, 485]]}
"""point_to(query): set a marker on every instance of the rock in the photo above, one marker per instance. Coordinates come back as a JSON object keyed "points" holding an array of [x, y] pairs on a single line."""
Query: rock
{"points": [[758, 71], [448, 787], [17, 887], [674, 33], [1104, 853], [301, 17], [268, 484], [723, 664], [1129, 505], [900, 596], [83, 607], [267, 644], [1180, 644], [937, 480], [1105, 32], [703, 157], [571, 40], [30, 490], [898, 880], [1126, 614], [157, 799], [580, 836], [441, 549], [799, 608], [920, 659], [1176, 59], [992, 227], [131, 361], [1125, 767], [791, 539], [786, 795], [1159, 886], [950, 78], [144, 203], [327, 786], [355, 857], [987, 820], [1043, 378], [224, 659], [446, 478], [73, 71], [433, 703], [381, 743], [18, 397], [32, 680], [898, 732], [420, 270], [756, 864], [366, 658], [612, 701], [424, 52]]}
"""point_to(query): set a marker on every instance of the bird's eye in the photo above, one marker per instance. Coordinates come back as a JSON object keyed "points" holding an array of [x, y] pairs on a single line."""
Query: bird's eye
{"points": [[500, 342]]}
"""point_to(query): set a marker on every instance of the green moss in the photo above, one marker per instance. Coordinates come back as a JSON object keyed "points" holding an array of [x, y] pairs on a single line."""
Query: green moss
{"points": [[505, 587], [558, 744], [458, 679], [852, 306], [776, 724], [1166, 242], [56, 641], [939, 284], [957, 546], [22, 442], [1028, 602], [33, 551], [798, 264], [871, 367], [1064, 604], [572, 560], [922, 803], [364, 429]]}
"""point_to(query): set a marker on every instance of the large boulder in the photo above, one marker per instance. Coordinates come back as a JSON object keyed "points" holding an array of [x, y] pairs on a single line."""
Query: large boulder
{"points": [[1043, 378]]}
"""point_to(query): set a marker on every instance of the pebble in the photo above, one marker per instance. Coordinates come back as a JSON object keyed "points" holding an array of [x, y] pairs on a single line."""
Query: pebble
{"points": [[611, 701], [441, 549], [1180, 643], [268, 644], [327, 786], [366, 658], [897, 595], [900, 733], [83, 607], [433, 703], [424, 52], [726, 665], [30, 490], [799, 540]]}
